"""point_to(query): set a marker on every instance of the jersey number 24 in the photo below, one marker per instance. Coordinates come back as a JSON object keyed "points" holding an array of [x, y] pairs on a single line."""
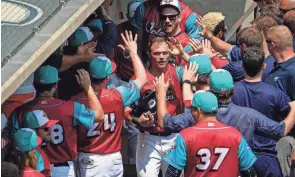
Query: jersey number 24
{"points": [[109, 124]]}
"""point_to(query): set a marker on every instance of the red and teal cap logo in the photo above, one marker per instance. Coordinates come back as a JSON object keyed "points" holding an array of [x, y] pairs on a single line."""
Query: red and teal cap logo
{"points": [[37, 119], [221, 81], [46, 75], [101, 67], [26, 139], [206, 101]]}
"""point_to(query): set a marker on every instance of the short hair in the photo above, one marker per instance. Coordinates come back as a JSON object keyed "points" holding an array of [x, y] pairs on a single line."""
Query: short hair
{"points": [[9, 170], [250, 37], [156, 39], [281, 36], [203, 79], [223, 95], [43, 87], [264, 23], [289, 20], [214, 22], [96, 81], [273, 12], [253, 59]]}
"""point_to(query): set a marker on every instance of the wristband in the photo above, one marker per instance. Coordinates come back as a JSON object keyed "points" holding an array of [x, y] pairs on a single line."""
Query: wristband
{"points": [[187, 82]]}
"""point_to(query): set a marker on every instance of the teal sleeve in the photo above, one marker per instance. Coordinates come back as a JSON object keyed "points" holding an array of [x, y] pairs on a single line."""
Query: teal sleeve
{"points": [[191, 28], [40, 162], [130, 93], [188, 48], [138, 17], [83, 116], [246, 156], [177, 157], [179, 72]]}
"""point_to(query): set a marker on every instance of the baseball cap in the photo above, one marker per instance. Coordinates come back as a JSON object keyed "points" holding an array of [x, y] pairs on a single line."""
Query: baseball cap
{"points": [[81, 35], [101, 67], [46, 75], [132, 6], [97, 23], [203, 61], [37, 119], [221, 80], [26, 139], [170, 7], [206, 101]]}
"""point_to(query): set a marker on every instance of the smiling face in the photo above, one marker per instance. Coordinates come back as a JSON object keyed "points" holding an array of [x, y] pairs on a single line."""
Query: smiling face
{"points": [[159, 55], [170, 19]]}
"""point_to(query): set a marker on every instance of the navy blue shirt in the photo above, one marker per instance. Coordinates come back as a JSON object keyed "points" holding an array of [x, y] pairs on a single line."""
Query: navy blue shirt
{"points": [[106, 42], [283, 77], [235, 68], [266, 99], [294, 44], [248, 121]]}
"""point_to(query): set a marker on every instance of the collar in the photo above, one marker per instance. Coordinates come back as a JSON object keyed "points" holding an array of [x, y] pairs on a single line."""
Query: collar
{"points": [[223, 104], [287, 63]]}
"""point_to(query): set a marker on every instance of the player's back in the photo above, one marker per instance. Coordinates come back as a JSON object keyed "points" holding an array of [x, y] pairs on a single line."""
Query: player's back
{"points": [[63, 144], [212, 150], [105, 137]]}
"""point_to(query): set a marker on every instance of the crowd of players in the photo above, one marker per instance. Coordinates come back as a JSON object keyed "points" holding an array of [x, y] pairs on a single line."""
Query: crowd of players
{"points": [[192, 104]]}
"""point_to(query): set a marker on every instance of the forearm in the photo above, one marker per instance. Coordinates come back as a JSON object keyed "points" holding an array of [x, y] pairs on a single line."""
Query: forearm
{"points": [[139, 70], [161, 108], [220, 46], [185, 56], [187, 92], [70, 60], [95, 105], [289, 121]]}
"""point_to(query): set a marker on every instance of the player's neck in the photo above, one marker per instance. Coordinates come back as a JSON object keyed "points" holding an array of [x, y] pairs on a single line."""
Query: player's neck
{"points": [[207, 118], [257, 78], [46, 95], [157, 71], [205, 87], [175, 32]]}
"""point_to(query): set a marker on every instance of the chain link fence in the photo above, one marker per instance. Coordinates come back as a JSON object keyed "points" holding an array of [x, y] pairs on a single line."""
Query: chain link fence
{"points": [[21, 20]]}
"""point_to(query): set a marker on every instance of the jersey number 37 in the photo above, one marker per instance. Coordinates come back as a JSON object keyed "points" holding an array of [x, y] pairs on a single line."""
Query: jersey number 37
{"points": [[109, 124]]}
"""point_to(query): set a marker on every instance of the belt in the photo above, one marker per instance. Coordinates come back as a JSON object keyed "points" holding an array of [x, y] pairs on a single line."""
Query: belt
{"points": [[65, 164], [157, 133]]}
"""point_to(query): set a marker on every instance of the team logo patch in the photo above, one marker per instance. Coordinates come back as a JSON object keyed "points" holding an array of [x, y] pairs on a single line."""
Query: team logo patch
{"points": [[128, 86], [170, 95]]}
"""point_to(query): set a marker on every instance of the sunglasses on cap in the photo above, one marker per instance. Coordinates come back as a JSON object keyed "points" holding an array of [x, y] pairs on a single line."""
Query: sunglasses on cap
{"points": [[170, 17]]}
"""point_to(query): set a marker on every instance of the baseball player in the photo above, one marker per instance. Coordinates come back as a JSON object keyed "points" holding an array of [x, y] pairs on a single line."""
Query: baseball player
{"points": [[171, 20], [62, 149], [100, 146], [38, 121], [209, 148], [152, 141]]}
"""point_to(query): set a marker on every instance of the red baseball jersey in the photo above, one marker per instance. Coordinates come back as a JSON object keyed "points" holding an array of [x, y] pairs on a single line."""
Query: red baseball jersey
{"points": [[29, 172], [103, 137], [215, 158], [63, 144]]}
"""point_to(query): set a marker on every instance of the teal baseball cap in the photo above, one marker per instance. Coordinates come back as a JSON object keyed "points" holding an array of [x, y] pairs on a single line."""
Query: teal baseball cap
{"points": [[26, 139], [132, 6], [101, 67], [171, 7], [37, 119], [221, 81], [46, 75], [203, 61], [81, 35], [206, 101], [97, 23]]}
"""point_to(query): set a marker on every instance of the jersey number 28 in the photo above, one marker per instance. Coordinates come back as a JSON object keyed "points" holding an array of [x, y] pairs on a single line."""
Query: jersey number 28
{"points": [[205, 155], [108, 124]]}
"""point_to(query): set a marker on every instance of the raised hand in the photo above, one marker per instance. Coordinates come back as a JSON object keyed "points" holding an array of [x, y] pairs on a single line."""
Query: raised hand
{"points": [[130, 44], [190, 73], [204, 31], [207, 49], [83, 79], [196, 45], [175, 47], [160, 84]]}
